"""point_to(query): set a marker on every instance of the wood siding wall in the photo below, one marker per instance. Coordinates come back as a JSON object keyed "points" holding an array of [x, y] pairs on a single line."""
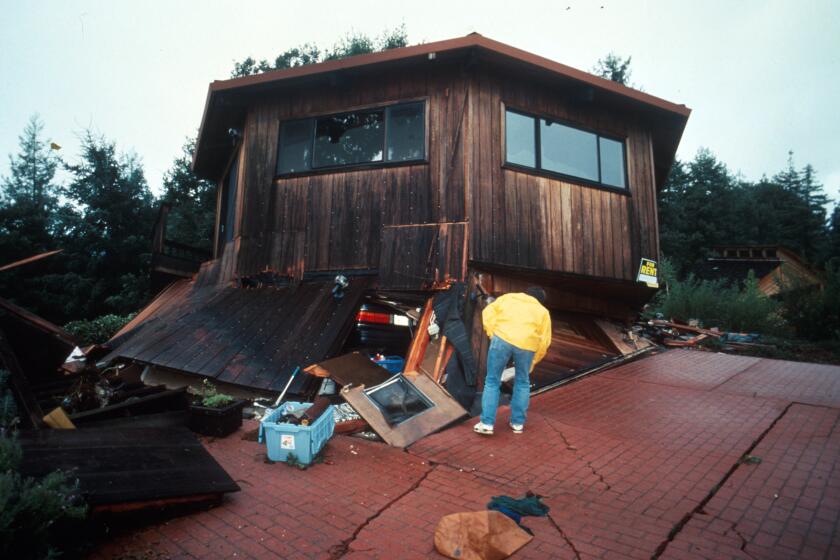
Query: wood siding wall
{"points": [[525, 220], [335, 220], [342, 220]]}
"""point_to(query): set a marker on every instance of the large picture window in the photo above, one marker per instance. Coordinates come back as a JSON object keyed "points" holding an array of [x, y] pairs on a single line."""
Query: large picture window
{"points": [[557, 148], [380, 135]]}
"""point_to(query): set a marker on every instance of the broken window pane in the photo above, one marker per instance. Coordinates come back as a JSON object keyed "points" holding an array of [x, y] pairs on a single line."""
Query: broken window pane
{"points": [[293, 152], [520, 140], [569, 151], [349, 138], [612, 162], [406, 132], [398, 399]]}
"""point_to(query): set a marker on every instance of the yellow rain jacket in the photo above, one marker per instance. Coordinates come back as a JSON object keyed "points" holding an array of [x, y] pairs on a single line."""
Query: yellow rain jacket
{"points": [[521, 320]]}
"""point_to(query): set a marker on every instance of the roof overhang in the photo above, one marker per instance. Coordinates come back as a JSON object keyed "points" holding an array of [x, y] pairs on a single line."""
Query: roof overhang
{"points": [[227, 100]]}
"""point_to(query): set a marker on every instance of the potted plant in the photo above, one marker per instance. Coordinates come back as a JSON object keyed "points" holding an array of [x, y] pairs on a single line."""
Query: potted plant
{"points": [[215, 414]]}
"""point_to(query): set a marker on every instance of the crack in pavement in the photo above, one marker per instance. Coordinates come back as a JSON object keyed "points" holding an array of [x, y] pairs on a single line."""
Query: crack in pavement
{"points": [[342, 548], [577, 455], [744, 541], [699, 508], [511, 484], [563, 534]]}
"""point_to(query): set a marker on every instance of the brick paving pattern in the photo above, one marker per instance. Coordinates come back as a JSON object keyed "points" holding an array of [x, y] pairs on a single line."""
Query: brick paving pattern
{"points": [[642, 461]]}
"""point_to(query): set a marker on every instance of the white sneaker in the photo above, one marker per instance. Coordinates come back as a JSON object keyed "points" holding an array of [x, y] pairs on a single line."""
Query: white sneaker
{"points": [[483, 429], [517, 428]]}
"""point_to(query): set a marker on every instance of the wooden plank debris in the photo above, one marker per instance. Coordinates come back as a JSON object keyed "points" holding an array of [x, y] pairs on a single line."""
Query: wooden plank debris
{"points": [[122, 466]]}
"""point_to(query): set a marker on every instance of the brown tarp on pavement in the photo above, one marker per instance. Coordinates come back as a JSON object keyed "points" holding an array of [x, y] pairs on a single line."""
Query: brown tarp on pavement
{"points": [[479, 535]]}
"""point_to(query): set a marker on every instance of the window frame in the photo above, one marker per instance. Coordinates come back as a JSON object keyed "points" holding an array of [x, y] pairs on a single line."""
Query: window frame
{"points": [[540, 171], [383, 106]]}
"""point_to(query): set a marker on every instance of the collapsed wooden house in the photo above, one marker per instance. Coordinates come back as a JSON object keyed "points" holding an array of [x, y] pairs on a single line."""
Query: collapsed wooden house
{"points": [[777, 269], [464, 160]]}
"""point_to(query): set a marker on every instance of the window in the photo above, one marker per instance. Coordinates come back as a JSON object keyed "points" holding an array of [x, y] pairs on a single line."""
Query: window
{"points": [[398, 400], [560, 149], [406, 132], [296, 146], [387, 134], [520, 140]]}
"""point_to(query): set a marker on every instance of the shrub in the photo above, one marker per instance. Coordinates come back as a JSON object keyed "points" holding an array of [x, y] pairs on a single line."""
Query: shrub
{"points": [[34, 513], [98, 330], [715, 304], [815, 314], [212, 398], [36, 516]]}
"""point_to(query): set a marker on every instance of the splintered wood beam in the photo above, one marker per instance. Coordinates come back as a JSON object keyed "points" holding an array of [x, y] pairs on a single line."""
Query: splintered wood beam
{"points": [[28, 260], [421, 340], [444, 356]]}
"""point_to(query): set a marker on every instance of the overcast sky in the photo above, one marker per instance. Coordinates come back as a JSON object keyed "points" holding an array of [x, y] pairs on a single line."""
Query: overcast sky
{"points": [[761, 78]]}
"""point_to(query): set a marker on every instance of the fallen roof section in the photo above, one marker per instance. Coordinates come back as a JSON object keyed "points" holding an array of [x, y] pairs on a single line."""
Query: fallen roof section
{"points": [[127, 465], [252, 337]]}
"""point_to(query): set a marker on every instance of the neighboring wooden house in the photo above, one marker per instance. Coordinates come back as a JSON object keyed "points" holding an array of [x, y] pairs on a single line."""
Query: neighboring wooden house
{"points": [[776, 268], [459, 160]]}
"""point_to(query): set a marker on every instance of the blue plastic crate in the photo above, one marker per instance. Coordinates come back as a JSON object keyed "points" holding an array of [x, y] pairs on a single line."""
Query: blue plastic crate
{"points": [[305, 442], [394, 364]]}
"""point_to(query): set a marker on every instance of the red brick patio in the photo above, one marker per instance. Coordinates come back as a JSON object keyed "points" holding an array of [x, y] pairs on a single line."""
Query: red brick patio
{"points": [[642, 461]]}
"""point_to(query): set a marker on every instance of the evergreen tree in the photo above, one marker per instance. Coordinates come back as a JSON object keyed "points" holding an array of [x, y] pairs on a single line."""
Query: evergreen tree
{"points": [[805, 218], [29, 199], [109, 239], [699, 209], [31, 218], [834, 235], [193, 202]]}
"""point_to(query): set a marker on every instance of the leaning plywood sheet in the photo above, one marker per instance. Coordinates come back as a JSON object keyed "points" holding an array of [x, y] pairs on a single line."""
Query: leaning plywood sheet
{"points": [[577, 345], [121, 466], [252, 337], [350, 369], [398, 423]]}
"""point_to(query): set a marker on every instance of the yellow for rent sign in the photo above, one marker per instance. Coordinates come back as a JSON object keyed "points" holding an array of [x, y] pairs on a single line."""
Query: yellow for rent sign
{"points": [[648, 273]]}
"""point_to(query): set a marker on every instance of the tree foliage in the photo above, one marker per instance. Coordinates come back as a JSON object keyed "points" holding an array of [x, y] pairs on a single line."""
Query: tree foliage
{"points": [[703, 205], [352, 44], [36, 516], [193, 202], [101, 218], [614, 68]]}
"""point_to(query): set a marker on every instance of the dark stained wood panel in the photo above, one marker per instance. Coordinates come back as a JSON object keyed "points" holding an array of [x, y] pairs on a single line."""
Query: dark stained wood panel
{"points": [[333, 220], [336, 220], [120, 465], [545, 223], [254, 337], [418, 256]]}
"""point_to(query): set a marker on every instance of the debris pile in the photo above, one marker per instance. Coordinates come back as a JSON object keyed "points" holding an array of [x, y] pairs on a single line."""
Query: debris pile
{"points": [[124, 442]]}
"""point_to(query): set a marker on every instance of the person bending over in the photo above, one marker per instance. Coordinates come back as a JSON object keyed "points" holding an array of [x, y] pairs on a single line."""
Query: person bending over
{"points": [[519, 327]]}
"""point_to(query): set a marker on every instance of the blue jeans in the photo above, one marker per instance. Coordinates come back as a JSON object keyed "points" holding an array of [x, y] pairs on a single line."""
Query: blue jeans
{"points": [[498, 357]]}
